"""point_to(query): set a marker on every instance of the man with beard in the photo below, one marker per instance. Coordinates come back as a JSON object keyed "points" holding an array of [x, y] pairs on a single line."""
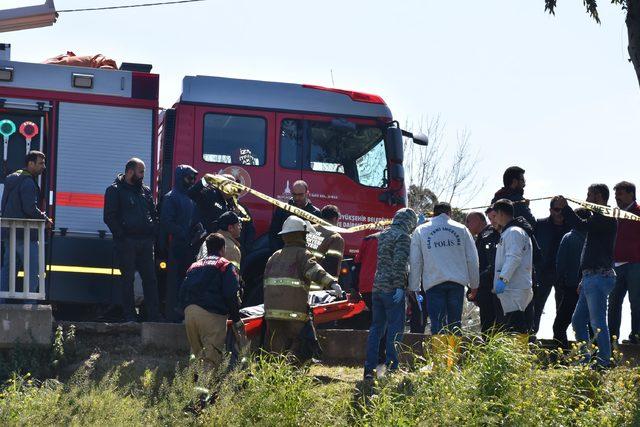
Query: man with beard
{"points": [[513, 190], [130, 214]]}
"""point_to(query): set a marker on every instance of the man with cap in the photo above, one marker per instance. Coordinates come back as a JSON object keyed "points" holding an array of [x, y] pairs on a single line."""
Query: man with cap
{"points": [[287, 278], [177, 225], [230, 228]]}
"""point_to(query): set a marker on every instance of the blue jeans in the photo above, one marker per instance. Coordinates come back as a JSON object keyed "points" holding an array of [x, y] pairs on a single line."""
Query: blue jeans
{"points": [[33, 265], [444, 305], [627, 279], [592, 309], [386, 315]]}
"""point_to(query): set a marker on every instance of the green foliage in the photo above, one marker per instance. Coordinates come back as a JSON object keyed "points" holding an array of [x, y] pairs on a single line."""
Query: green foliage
{"points": [[500, 381], [37, 360], [590, 5]]}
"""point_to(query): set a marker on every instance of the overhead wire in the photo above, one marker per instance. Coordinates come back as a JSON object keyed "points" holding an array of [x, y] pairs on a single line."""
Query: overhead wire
{"points": [[128, 6]]}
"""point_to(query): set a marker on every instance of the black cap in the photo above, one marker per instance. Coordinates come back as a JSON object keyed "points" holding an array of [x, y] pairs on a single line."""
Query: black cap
{"points": [[227, 219]]}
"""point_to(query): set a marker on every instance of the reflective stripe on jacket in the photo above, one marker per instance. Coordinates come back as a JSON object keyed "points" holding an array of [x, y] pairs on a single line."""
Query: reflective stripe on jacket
{"points": [[287, 279]]}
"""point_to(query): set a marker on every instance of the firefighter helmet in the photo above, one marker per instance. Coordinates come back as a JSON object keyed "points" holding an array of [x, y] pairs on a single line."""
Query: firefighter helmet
{"points": [[294, 224]]}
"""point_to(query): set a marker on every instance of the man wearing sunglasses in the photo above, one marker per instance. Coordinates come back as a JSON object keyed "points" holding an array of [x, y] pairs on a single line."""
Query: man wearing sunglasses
{"points": [[549, 233]]}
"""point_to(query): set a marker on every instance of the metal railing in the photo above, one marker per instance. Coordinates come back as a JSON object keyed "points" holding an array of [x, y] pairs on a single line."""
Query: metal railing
{"points": [[10, 226]]}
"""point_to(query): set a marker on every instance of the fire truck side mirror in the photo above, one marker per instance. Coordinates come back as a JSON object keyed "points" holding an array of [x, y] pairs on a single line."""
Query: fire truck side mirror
{"points": [[420, 139], [394, 145]]}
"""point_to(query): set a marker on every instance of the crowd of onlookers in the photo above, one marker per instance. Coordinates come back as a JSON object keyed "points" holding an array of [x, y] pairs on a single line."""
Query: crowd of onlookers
{"points": [[503, 259], [507, 262]]}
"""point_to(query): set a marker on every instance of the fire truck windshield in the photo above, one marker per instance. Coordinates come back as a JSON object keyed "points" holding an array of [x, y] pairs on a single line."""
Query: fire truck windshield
{"points": [[339, 147]]}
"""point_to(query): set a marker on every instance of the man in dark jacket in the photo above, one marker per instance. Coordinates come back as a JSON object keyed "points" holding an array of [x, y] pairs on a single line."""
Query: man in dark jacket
{"points": [[549, 232], [20, 200], [209, 296], [598, 276], [130, 214], [568, 271], [487, 301], [209, 204], [300, 199], [177, 222], [514, 183]]}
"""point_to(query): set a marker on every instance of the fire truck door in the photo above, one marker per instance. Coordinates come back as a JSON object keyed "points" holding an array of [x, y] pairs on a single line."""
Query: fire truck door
{"points": [[240, 143]]}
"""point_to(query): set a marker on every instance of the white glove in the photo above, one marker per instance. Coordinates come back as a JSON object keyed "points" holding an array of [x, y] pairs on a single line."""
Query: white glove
{"points": [[335, 287], [204, 182]]}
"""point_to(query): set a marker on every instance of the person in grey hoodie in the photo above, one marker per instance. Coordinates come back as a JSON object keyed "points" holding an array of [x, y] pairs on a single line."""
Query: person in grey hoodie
{"points": [[20, 200], [389, 286]]}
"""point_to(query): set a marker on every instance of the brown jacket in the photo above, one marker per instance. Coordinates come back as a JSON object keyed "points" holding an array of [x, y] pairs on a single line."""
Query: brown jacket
{"points": [[330, 251], [287, 279], [231, 248]]}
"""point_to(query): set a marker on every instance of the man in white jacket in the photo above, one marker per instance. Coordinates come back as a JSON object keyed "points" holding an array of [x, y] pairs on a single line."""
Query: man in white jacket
{"points": [[444, 260], [513, 268]]}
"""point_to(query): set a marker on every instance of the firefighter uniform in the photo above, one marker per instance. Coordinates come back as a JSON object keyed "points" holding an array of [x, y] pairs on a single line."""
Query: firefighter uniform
{"points": [[330, 251], [287, 279]]}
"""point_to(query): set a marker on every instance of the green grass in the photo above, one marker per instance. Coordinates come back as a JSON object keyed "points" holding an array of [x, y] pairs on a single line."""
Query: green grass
{"points": [[500, 382]]}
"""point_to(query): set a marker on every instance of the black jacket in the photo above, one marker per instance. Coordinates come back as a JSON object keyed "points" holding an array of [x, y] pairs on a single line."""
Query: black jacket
{"points": [[177, 216], [129, 211], [601, 235], [279, 217], [519, 209], [210, 204], [20, 197], [486, 246], [568, 259], [549, 236], [212, 283]]}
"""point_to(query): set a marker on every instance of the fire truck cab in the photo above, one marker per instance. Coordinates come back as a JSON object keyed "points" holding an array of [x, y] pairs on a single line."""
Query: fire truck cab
{"points": [[268, 135]]}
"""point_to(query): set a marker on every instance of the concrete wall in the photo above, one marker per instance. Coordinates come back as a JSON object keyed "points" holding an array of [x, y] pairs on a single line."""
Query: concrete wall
{"points": [[25, 324]]}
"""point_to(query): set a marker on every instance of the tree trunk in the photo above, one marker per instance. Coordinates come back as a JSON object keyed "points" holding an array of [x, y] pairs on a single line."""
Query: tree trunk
{"points": [[633, 29]]}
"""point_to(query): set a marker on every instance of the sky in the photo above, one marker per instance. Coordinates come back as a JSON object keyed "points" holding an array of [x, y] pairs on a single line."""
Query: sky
{"points": [[555, 95]]}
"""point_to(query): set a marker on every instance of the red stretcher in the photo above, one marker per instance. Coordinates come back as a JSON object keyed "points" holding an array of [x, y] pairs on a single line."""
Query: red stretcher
{"points": [[322, 313]]}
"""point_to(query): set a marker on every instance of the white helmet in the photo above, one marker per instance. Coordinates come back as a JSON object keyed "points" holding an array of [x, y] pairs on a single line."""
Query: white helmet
{"points": [[293, 224]]}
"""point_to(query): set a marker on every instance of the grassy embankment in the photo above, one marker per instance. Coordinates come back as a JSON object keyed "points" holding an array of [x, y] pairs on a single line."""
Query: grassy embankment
{"points": [[499, 382]]}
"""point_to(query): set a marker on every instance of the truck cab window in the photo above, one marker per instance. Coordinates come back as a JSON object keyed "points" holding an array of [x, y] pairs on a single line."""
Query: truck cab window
{"points": [[356, 151], [237, 140], [291, 144]]}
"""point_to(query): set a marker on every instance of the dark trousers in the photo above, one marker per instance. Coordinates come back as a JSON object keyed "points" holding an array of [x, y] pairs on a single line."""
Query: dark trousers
{"points": [[418, 320], [627, 280], [566, 300], [490, 311], [546, 282], [516, 322], [180, 259], [137, 255]]}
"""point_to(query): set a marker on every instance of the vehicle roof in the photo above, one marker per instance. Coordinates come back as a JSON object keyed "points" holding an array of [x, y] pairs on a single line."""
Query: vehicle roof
{"points": [[275, 96]]}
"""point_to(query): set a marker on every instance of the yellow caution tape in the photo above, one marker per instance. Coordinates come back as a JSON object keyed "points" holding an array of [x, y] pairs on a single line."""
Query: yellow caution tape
{"points": [[616, 213], [231, 187]]}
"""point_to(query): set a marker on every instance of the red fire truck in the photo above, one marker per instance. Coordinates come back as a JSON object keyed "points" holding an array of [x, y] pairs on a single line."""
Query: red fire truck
{"points": [[345, 144]]}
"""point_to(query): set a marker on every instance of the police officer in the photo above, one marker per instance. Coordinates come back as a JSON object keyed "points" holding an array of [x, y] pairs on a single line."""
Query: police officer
{"points": [[230, 228], [490, 311], [209, 296], [331, 249], [287, 279]]}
